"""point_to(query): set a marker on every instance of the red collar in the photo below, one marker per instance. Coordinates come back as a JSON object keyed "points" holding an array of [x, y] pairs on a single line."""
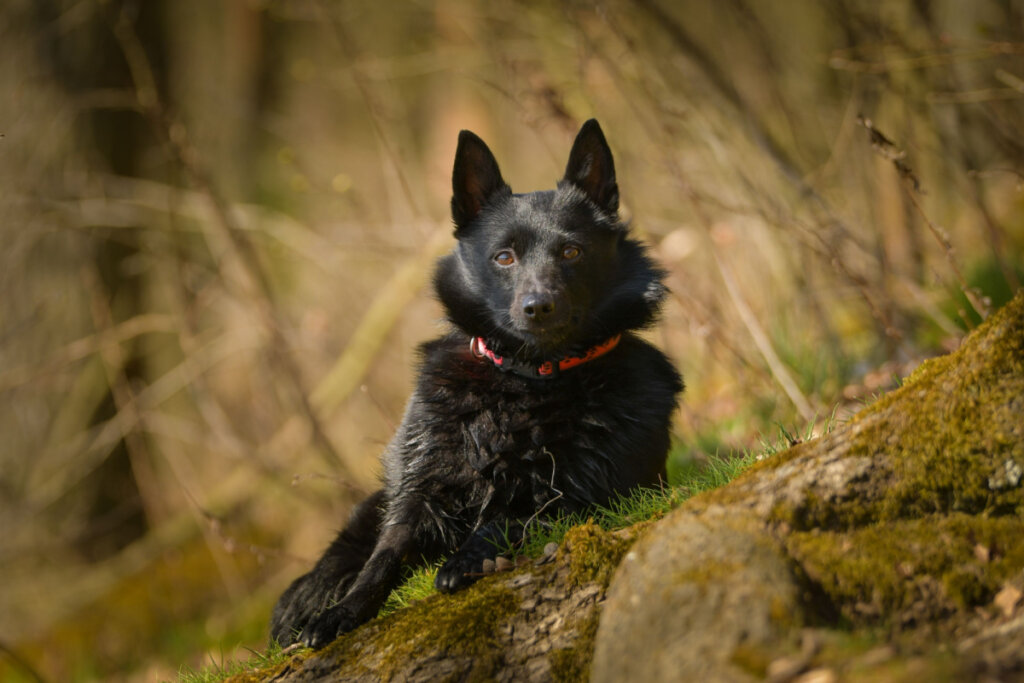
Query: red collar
{"points": [[546, 370]]}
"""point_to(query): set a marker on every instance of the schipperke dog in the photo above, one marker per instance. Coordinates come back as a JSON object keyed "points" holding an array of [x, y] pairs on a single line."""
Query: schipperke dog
{"points": [[540, 401]]}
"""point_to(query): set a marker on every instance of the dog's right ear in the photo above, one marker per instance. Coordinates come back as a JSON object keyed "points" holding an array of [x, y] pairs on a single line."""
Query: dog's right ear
{"points": [[476, 179], [591, 168]]}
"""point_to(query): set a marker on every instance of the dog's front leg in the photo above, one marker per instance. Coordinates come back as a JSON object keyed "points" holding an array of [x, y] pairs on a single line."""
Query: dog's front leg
{"points": [[379, 576], [329, 581]]}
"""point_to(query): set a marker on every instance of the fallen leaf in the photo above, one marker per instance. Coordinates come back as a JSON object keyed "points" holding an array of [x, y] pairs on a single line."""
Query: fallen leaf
{"points": [[1007, 599], [983, 553]]}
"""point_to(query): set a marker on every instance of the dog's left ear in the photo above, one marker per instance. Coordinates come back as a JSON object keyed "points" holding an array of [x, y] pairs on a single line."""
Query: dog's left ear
{"points": [[591, 168]]}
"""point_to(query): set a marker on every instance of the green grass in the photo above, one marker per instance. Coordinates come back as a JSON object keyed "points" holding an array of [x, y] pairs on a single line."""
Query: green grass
{"points": [[418, 584], [217, 672]]}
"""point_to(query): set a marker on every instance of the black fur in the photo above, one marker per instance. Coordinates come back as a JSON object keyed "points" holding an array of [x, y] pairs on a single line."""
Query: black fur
{"points": [[481, 452]]}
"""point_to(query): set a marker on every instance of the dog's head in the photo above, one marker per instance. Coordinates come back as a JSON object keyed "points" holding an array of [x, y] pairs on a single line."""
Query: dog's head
{"points": [[542, 274]]}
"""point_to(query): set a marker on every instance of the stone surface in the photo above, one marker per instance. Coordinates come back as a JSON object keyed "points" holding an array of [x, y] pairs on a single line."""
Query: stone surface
{"points": [[711, 585]]}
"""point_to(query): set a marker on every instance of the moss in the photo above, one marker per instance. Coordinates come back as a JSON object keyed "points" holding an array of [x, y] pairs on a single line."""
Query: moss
{"points": [[961, 424], [781, 613], [912, 569], [934, 667], [705, 573], [817, 512], [951, 439], [466, 625], [967, 586], [856, 658], [593, 554], [571, 664], [752, 659]]}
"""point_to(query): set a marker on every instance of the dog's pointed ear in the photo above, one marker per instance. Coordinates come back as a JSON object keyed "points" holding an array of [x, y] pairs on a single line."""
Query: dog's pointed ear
{"points": [[591, 168], [476, 179]]}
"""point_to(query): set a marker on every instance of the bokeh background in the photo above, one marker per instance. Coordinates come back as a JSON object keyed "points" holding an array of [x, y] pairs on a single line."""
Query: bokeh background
{"points": [[219, 218]]}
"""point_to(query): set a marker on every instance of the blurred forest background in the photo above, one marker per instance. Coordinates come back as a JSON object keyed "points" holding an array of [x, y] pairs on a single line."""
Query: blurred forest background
{"points": [[219, 219]]}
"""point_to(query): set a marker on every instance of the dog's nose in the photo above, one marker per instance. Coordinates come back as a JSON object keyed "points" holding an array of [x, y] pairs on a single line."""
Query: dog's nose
{"points": [[538, 307]]}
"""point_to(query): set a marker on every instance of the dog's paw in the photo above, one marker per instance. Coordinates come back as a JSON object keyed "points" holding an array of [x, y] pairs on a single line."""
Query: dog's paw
{"points": [[301, 606], [317, 630], [458, 572], [328, 625]]}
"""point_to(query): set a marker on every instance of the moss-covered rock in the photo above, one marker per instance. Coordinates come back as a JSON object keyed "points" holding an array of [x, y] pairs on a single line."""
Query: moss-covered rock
{"points": [[593, 553], [901, 529], [890, 550], [535, 623], [704, 597], [882, 571]]}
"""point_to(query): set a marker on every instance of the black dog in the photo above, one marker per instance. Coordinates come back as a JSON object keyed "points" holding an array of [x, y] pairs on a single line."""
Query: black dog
{"points": [[540, 402]]}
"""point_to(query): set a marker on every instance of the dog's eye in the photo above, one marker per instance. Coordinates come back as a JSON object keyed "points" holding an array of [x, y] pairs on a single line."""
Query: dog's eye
{"points": [[505, 257], [570, 252]]}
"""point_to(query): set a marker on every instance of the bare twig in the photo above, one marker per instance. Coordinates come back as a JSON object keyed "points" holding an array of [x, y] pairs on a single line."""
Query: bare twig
{"points": [[114, 364], [224, 231], [100, 342], [347, 46], [965, 118], [760, 134], [20, 662], [379, 319], [776, 368], [76, 458], [845, 60], [764, 345], [912, 187], [980, 304], [216, 541]]}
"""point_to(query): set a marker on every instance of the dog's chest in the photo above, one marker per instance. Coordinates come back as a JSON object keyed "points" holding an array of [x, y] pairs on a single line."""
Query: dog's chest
{"points": [[527, 444]]}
